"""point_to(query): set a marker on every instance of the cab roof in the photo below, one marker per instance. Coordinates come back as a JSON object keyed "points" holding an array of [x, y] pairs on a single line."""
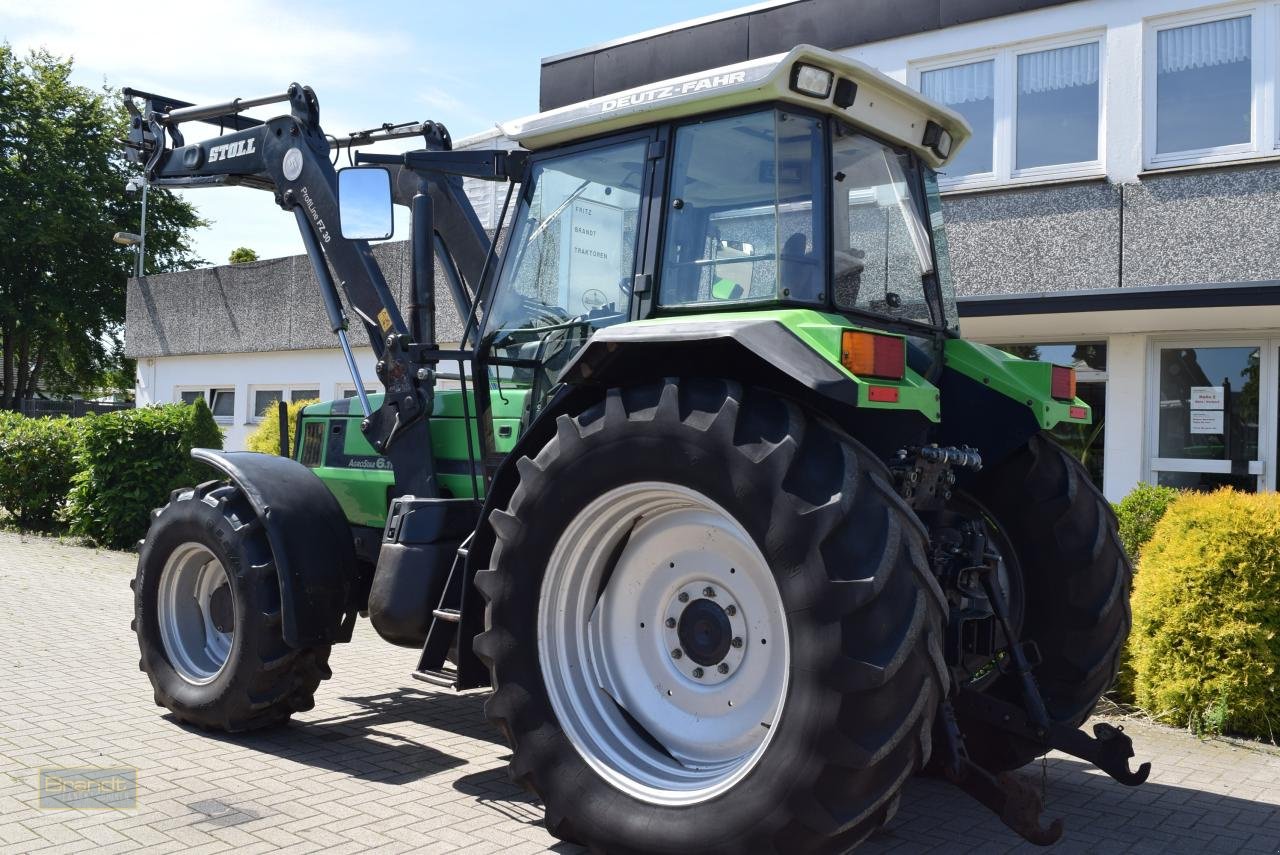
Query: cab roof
{"points": [[880, 105]]}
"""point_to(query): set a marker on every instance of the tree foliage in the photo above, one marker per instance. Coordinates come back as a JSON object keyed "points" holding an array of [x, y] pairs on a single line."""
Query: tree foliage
{"points": [[62, 196], [242, 255]]}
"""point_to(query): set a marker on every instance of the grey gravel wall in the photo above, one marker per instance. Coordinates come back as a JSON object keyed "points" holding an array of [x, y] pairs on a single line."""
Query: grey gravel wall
{"points": [[1176, 228]]}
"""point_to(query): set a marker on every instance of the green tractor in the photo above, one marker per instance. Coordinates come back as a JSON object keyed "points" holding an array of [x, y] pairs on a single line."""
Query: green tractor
{"points": [[711, 494]]}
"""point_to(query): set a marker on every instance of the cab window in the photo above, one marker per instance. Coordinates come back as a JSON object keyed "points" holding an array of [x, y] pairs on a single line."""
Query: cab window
{"points": [[742, 212], [882, 253], [570, 259]]}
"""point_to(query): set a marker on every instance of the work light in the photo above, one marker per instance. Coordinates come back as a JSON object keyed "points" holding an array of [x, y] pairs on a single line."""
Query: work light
{"points": [[811, 80], [938, 139]]}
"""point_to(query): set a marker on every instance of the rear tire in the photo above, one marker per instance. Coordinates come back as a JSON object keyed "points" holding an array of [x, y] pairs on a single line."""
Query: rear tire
{"points": [[207, 616], [842, 556], [1076, 580]]}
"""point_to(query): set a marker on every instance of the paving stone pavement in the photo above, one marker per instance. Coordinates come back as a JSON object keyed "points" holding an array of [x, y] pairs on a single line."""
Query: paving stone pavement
{"points": [[385, 763]]}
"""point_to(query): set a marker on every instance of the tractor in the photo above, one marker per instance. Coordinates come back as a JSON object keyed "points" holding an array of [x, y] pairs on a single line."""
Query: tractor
{"points": [[710, 493]]}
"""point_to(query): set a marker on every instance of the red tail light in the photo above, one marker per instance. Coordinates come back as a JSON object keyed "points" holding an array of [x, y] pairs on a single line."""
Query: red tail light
{"points": [[871, 355], [1063, 383]]}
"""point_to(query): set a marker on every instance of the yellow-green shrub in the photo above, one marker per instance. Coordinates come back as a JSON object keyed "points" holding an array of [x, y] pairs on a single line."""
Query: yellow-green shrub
{"points": [[1205, 645], [266, 436]]}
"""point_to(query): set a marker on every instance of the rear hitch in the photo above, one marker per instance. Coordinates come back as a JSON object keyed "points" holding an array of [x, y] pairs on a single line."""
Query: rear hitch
{"points": [[1110, 748], [1006, 795]]}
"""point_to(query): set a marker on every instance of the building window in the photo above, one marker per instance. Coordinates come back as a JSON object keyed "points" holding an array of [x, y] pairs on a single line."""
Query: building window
{"points": [[265, 400], [223, 404], [1085, 442], [346, 390], [1057, 109], [970, 90], [221, 401], [1208, 79], [1035, 111]]}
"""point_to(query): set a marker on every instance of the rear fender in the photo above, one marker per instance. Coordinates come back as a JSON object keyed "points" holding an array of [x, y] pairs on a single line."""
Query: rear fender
{"points": [[309, 539]]}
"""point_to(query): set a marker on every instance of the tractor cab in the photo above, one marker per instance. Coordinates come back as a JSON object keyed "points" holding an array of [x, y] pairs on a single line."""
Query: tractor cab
{"points": [[798, 182]]}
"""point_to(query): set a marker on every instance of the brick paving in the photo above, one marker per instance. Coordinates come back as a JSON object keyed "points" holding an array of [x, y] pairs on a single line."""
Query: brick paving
{"points": [[388, 764]]}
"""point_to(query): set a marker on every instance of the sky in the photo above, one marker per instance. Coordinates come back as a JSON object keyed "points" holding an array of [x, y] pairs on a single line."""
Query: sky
{"points": [[469, 65]]}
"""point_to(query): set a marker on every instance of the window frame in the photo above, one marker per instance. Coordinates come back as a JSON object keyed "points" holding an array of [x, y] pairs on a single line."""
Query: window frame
{"points": [[1004, 171], [1264, 140]]}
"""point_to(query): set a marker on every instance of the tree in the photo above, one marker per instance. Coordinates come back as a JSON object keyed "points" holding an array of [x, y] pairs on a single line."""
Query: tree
{"points": [[62, 195], [242, 254]]}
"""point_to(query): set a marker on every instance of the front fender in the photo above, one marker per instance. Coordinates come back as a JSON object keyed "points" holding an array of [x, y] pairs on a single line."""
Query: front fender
{"points": [[309, 539]]}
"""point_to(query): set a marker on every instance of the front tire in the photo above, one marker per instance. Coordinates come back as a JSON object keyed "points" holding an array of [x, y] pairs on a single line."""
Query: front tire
{"points": [[207, 616], [630, 536]]}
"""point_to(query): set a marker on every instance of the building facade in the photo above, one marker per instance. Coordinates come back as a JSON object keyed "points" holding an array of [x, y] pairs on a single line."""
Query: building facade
{"points": [[1117, 210]]}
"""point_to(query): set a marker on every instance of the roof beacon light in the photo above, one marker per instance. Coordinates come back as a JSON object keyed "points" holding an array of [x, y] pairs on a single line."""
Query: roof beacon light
{"points": [[937, 138], [811, 80]]}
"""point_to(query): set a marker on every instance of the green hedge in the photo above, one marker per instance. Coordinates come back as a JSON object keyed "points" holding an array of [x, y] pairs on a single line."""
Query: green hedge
{"points": [[1138, 514], [1205, 646], [130, 461], [37, 462]]}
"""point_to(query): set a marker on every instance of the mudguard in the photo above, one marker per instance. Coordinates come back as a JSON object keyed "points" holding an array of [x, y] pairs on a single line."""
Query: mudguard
{"points": [[309, 538], [762, 349]]}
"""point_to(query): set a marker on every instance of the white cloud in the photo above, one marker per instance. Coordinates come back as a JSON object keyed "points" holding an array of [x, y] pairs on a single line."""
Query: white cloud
{"points": [[206, 49]]}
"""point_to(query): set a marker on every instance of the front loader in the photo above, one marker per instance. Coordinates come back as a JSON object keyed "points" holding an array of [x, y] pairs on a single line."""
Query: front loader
{"points": [[737, 528]]}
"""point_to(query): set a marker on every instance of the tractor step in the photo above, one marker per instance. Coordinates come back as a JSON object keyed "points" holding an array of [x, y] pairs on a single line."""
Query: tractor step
{"points": [[442, 635], [442, 678]]}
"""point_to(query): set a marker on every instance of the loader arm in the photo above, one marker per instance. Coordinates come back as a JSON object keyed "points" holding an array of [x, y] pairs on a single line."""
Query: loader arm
{"points": [[290, 156]]}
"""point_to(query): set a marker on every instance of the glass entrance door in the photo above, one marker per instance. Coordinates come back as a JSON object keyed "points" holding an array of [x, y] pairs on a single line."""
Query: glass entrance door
{"points": [[1206, 419]]}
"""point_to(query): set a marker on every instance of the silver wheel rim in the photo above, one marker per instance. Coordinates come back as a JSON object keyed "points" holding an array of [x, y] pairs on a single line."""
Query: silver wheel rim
{"points": [[636, 577], [189, 598]]}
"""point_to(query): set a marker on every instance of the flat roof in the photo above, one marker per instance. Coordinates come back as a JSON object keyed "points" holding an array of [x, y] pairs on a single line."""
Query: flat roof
{"points": [[1264, 292], [751, 32]]}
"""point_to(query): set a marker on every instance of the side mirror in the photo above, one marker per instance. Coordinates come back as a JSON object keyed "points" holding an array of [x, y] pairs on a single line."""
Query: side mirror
{"points": [[364, 203]]}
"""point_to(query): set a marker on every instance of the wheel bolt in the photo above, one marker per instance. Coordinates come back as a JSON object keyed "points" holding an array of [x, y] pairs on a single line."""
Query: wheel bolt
{"points": [[697, 673], [671, 623], [684, 597], [737, 642], [731, 610], [723, 668], [677, 653], [708, 591]]}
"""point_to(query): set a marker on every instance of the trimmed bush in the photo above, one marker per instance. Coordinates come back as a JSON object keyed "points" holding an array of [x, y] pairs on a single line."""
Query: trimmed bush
{"points": [[129, 463], [1205, 646], [1138, 514], [37, 462], [266, 436]]}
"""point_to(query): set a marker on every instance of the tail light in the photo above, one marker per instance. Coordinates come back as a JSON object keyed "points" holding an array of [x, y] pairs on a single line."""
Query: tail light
{"points": [[1062, 385], [870, 355]]}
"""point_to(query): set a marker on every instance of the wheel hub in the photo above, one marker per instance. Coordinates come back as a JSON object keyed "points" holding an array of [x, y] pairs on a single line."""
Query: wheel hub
{"points": [[706, 632]]}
